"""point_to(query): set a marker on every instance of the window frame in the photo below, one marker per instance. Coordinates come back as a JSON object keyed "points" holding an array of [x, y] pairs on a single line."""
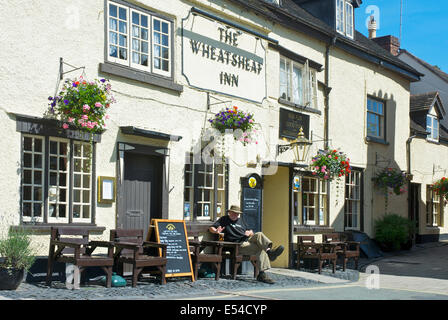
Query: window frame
{"points": [[46, 182], [308, 83], [342, 22], [196, 191], [320, 199], [434, 208], [382, 118], [431, 129], [150, 69], [350, 184]]}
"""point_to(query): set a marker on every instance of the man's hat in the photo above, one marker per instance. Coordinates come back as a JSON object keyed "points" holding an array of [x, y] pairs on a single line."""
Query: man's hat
{"points": [[235, 209]]}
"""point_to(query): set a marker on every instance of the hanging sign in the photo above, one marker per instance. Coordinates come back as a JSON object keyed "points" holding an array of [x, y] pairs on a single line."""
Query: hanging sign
{"points": [[223, 59]]}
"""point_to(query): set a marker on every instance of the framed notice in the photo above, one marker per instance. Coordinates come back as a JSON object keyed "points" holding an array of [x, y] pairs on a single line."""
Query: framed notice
{"points": [[106, 189], [173, 233]]}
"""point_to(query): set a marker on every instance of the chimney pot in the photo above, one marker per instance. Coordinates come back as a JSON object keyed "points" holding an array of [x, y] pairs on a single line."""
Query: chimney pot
{"points": [[372, 27]]}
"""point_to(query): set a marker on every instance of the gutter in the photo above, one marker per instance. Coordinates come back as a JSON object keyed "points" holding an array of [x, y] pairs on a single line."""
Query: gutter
{"points": [[409, 178], [327, 90]]}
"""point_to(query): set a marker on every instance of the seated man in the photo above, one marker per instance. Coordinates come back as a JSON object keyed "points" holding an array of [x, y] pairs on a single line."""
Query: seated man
{"points": [[235, 230]]}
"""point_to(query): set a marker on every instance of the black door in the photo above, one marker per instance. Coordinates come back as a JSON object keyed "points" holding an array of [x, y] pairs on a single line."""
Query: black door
{"points": [[142, 190], [414, 211]]}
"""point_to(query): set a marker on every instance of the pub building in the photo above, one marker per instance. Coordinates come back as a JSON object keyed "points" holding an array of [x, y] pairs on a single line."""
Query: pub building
{"points": [[299, 68]]}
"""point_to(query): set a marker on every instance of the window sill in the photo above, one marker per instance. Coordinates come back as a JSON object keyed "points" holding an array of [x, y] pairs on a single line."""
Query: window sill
{"points": [[377, 140], [433, 141], [312, 229], [299, 107], [45, 228], [141, 76]]}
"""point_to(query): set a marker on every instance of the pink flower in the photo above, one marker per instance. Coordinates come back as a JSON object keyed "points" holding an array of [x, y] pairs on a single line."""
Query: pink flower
{"points": [[107, 117], [98, 105], [86, 108], [70, 119], [80, 121], [65, 126], [85, 117]]}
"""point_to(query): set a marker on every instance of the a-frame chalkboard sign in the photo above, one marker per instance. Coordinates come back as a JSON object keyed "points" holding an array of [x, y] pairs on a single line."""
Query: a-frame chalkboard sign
{"points": [[173, 233]]}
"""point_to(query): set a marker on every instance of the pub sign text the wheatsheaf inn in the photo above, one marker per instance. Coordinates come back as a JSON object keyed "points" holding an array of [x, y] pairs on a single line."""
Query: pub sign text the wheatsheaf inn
{"points": [[223, 59]]}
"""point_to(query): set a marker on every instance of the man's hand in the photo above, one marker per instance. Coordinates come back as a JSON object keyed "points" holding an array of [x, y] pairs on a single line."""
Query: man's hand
{"points": [[249, 233], [220, 229]]}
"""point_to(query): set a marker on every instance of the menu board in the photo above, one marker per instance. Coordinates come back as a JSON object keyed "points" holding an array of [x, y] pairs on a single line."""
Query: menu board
{"points": [[173, 233], [252, 208], [291, 122]]}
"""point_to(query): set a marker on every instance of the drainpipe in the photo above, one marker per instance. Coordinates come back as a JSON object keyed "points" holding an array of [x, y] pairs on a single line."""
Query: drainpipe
{"points": [[327, 90], [408, 175]]}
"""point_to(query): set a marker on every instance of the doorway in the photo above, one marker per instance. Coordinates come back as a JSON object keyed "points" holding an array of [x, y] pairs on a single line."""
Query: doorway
{"points": [[414, 212], [141, 190]]}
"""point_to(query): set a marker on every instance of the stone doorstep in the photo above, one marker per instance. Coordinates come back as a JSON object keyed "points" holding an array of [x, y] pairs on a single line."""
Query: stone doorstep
{"points": [[307, 275]]}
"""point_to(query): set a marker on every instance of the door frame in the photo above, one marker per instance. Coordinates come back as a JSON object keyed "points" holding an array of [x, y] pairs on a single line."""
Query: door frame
{"points": [[162, 152]]}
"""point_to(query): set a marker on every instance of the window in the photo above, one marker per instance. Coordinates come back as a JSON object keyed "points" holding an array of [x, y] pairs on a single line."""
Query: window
{"points": [[130, 33], [375, 119], [206, 184], [344, 18], [61, 192], [310, 203], [434, 209], [432, 126], [352, 206], [298, 84]]}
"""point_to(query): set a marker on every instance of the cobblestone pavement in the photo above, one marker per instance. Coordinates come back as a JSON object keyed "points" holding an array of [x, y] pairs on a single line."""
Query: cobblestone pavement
{"points": [[150, 288]]}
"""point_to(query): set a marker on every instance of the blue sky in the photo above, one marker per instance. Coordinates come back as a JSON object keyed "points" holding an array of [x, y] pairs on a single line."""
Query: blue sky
{"points": [[424, 30]]}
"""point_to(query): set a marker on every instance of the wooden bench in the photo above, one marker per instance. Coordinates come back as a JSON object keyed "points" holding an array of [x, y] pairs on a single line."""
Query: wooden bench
{"points": [[76, 249], [344, 249], [130, 248], [220, 251]]}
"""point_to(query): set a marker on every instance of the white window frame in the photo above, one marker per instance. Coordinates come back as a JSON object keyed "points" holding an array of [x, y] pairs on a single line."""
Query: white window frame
{"points": [[162, 46], [46, 186], [433, 128], [57, 188], [319, 204], [380, 117], [109, 57], [353, 200], [32, 185], [218, 186], [83, 158], [140, 40], [151, 67], [345, 18], [308, 83], [434, 208]]}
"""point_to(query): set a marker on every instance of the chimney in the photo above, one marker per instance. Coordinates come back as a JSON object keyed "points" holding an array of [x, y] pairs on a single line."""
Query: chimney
{"points": [[372, 27], [389, 43]]}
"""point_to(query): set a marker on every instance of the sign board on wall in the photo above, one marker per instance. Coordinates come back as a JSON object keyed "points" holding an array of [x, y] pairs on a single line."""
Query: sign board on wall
{"points": [[291, 122], [223, 59]]}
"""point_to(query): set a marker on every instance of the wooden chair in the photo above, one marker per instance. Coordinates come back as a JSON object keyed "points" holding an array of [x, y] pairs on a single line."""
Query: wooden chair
{"points": [[345, 249], [198, 256], [320, 252], [231, 251], [130, 248], [307, 249], [77, 250]]}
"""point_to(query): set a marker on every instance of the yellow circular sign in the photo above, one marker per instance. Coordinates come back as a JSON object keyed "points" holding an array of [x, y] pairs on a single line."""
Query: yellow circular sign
{"points": [[252, 182]]}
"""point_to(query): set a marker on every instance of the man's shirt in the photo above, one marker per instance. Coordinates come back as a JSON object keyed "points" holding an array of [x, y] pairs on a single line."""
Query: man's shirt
{"points": [[234, 230]]}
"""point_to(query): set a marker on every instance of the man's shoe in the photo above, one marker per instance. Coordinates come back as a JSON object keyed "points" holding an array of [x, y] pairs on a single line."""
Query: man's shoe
{"points": [[263, 277], [274, 253]]}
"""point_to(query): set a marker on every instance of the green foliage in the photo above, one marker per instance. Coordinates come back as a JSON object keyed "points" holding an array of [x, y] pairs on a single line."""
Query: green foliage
{"points": [[390, 178], [393, 230], [16, 250], [441, 187]]}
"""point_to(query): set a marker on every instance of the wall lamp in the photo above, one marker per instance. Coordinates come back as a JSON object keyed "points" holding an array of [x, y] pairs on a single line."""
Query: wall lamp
{"points": [[300, 147]]}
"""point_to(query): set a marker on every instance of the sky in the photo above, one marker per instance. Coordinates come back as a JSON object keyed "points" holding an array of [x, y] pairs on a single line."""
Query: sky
{"points": [[424, 27]]}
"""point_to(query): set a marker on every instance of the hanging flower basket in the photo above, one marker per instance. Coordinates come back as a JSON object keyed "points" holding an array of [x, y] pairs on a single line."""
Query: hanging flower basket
{"points": [[234, 119], [330, 164], [390, 178], [82, 104], [441, 187]]}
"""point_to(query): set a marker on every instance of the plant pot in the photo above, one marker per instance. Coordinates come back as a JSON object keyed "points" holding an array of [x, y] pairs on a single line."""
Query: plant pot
{"points": [[10, 279]]}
